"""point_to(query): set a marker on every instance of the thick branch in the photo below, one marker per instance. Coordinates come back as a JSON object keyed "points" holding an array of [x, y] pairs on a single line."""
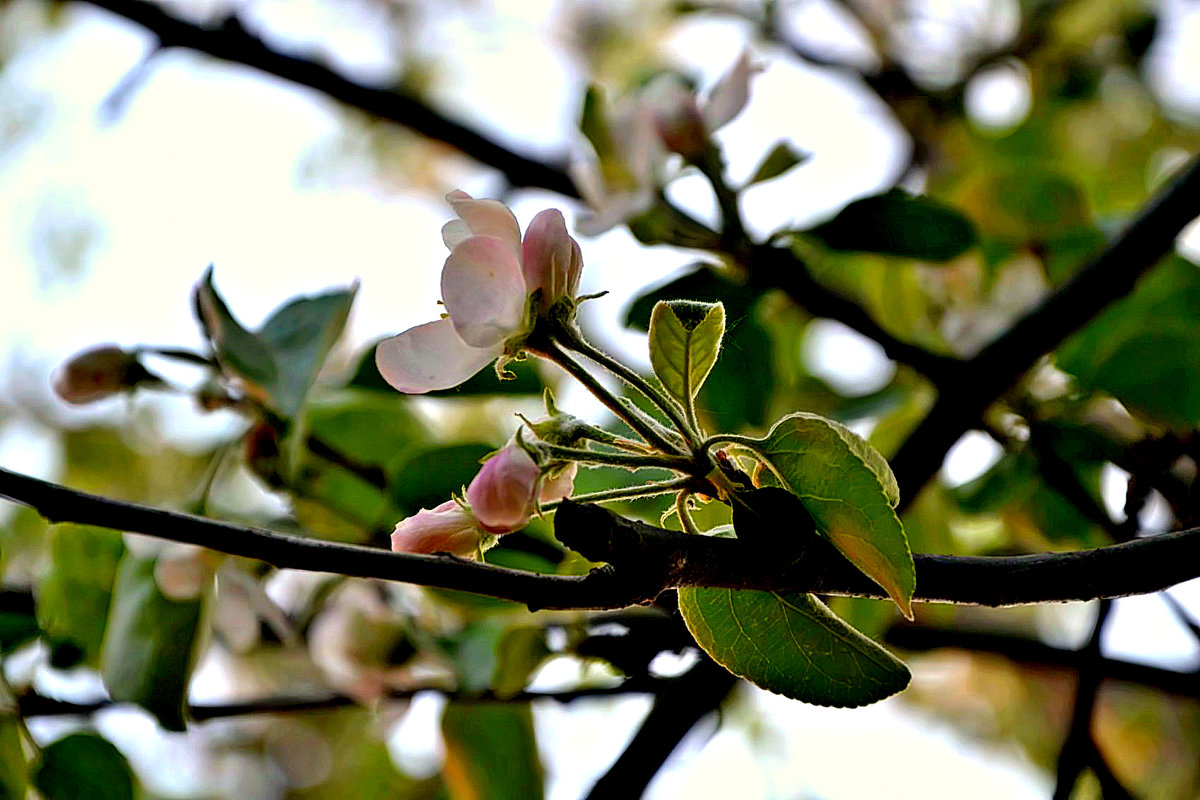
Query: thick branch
{"points": [[1110, 275], [231, 42], [645, 560], [32, 704], [1022, 650]]}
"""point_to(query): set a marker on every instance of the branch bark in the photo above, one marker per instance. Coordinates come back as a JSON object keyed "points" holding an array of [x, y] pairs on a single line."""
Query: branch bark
{"points": [[232, 42], [1110, 275], [643, 561]]}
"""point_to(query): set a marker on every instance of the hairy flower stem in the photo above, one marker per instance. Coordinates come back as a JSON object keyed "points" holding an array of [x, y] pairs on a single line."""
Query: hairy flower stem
{"points": [[679, 463], [549, 350], [572, 340], [627, 492]]}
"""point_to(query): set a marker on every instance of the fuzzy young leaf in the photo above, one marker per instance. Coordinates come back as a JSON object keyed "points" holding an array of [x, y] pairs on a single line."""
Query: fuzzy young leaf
{"points": [[791, 644], [685, 338], [781, 159], [850, 492], [151, 643], [82, 766]]}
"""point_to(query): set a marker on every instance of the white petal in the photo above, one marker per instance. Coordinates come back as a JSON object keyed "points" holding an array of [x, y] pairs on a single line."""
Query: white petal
{"points": [[430, 357], [484, 291], [728, 97], [481, 218]]}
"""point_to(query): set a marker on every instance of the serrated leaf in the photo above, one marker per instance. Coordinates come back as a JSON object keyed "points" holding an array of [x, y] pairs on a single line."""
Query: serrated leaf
{"points": [[791, 644], [850, 492], [236, 348], [685, 339], [299, 336], [491, 752], [74, 593], [83, 766], [781, 159], [899, 224], [151, 643]]}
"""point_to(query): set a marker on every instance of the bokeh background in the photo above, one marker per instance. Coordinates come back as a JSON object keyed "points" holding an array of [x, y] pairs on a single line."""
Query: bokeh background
{"points": [[126, 169]]}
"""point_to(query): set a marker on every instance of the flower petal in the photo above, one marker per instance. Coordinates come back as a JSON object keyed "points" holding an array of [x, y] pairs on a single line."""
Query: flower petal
{"points": [[501, 494], [548, 256], [484, 291], [445, 529], [728, 97], [480, 218], [430, 356]]}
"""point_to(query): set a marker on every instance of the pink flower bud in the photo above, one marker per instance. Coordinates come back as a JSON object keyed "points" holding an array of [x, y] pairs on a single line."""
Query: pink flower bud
{"points": [[448, 528], [95, 374], [550, 258], [501, 495], [676, 116]]}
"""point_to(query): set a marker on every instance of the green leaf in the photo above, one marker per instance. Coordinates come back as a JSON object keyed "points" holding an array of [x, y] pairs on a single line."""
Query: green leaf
{"points": [[236, 348], [520, 651], [850, 492], [791, 644], [899, 224], [14, 772], [491, 752], [427, 478], [1145, 342], [16, 629], [685, 338], [74, 593], [781, 159], [281, 361], [83, 766], [300, 336], [151, 643], [593, 123]]}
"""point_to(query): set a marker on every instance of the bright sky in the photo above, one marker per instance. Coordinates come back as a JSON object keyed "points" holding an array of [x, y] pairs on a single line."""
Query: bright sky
{"points": [[203, 163]]}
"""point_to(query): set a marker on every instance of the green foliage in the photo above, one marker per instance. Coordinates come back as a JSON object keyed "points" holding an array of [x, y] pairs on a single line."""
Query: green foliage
{"points": [[491, 752], [14, 771], [899, 224], [791, 644], [520, 651], [281, 361], [685, 338], [850, 492], [151, 643], [74, 594], [83, 766], [781, 158], [16, 628], [1145, 343]]}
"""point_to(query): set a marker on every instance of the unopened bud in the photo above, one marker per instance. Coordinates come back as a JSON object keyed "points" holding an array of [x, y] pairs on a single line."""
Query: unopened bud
{"points": [[97, 373]]}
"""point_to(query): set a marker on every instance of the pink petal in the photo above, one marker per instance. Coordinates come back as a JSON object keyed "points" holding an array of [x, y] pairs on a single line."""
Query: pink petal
{"points": [[728, 97], [547, 256], [429, 357], [501, 495], [445, 529], [484, 291], [561, 486], [480, 218]]}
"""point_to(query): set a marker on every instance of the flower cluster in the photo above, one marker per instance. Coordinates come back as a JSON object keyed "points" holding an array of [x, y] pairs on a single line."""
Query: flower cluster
{"points": [[633, 141], [502, 498], [494, 287]]}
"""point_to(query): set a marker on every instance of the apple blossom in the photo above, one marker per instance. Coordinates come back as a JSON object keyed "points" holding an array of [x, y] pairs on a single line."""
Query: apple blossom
{"points": [[448, 528], [487, 283], [632, 145], [503, 495]]}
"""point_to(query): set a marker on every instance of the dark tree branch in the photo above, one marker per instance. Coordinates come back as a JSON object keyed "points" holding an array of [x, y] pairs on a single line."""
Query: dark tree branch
{"points": [[1110, 275], [676, 710], [1022, 650], [32, 704], [644, 560], [1077, 747], [231, 42]]}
